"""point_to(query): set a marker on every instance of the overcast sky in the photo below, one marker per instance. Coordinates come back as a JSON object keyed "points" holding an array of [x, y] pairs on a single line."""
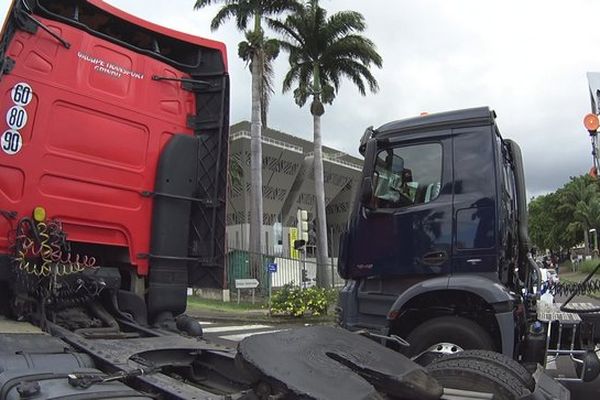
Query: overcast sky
{"points": [[525, 59]]}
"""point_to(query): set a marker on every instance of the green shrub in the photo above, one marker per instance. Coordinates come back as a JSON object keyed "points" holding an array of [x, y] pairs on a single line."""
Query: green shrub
{"points": [[295, 301]]}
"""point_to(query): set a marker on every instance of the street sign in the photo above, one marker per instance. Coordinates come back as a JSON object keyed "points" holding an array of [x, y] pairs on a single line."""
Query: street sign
{"points": [[272, 267], [246, 283]]}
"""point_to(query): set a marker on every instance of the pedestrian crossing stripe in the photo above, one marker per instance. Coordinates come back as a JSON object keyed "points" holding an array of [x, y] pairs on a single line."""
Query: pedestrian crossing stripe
{"points": [[219, 329], [236, 333], [240, 336]]}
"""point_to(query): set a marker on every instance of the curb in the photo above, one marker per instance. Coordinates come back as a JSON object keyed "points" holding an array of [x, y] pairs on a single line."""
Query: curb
{"points": [[265, 319]]}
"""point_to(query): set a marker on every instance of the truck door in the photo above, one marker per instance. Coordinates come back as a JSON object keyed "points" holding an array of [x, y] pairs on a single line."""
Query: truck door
{"points": [[474, 200], [406, 226]]}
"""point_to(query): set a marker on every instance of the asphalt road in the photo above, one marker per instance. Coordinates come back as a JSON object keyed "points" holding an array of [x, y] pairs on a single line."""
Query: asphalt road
{"points": [[229, 334]]}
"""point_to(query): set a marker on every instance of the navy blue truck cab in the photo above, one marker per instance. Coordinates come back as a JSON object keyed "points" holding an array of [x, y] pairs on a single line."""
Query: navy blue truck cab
{"points": [[436, 249]]}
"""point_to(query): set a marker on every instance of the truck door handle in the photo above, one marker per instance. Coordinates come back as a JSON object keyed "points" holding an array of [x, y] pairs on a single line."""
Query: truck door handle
{"points": [[434, 258]]}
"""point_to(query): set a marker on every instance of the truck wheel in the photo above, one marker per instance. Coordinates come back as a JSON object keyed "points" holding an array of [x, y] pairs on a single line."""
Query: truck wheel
{"points": [[477, 376], [507, 364], [447, 335]]}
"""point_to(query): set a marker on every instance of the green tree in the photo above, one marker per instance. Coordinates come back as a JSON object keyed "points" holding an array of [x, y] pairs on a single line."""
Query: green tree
{"points": [[322, 50], [561, 220], [255, 50], [581, 199], [548, 224]]}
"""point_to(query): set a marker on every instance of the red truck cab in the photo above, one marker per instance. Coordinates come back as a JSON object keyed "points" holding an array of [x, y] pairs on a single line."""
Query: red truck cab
{"points": [[115, 129]]}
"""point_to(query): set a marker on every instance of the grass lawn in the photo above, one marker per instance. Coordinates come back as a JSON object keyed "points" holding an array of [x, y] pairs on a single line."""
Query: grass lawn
{"points": [[258, 310], [572, 276], [584, 268], [197, 303]]}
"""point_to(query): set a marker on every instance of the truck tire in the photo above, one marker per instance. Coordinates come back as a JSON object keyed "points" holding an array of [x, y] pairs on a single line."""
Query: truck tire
{"points": [[462, 332], [507, 364], [478, 376]]}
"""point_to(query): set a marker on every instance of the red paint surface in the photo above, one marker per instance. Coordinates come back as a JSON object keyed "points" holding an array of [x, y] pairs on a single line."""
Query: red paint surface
{"points": [[92, 140]]}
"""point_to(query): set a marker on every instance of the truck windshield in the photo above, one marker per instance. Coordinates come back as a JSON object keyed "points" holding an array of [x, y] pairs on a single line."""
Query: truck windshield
{"points": [[407, 176]]}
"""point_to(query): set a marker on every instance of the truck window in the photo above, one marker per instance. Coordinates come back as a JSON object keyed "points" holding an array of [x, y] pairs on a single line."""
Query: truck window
{"points": [[406, 176], [508, 184], [474, 189]]}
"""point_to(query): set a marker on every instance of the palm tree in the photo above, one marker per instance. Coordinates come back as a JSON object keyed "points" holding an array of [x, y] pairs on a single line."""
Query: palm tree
{"points": [[581, 199], [269, 52], [321, 51], [252, 50]]}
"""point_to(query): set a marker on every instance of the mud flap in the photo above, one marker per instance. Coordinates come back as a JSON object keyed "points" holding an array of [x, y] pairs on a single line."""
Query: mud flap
{"points": [[331, 363], [547, 388]]}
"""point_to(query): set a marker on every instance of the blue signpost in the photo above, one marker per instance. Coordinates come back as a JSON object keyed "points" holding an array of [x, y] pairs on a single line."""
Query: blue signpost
{"points": [[271, 268]]}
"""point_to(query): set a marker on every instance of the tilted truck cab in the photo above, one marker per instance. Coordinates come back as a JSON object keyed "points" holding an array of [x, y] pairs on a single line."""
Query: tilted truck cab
{"points": [[436, 249], [116, 132]]}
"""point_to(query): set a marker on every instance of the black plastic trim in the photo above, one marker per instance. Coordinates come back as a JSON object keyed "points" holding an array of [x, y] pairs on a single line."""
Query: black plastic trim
{"points": [[176, 177], [432, 122]]}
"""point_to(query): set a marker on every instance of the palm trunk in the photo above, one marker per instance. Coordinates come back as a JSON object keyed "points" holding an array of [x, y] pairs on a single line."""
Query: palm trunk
{"points": [[321, 221], [256, 204]]}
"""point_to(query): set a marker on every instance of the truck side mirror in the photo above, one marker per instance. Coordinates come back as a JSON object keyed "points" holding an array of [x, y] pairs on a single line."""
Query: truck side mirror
{"points": [[366, 190]]}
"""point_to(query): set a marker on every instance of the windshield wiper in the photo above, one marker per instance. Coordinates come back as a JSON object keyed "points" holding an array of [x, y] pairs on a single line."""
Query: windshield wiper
{"points": [[26, 12], [182, 80], [186, 83]]}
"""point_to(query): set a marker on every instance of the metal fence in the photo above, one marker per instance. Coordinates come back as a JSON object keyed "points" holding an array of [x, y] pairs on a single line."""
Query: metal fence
{"points": [[286, 269]]}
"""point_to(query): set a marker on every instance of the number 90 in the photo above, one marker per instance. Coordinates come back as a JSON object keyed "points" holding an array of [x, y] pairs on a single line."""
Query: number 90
{"points": [[11, 142]]}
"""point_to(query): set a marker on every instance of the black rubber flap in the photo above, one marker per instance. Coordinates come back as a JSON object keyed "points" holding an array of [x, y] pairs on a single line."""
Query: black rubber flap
{"points": [[325, 363]]}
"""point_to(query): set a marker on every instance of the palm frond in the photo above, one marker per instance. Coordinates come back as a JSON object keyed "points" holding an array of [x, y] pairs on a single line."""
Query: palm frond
{"points": [[343, 23], [205, 3], [354, 46], [333, 46], [286, 30], [290, 77]]}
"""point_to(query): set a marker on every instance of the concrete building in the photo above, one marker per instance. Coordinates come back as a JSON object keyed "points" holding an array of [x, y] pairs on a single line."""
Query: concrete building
{"points": [[288, 185]]}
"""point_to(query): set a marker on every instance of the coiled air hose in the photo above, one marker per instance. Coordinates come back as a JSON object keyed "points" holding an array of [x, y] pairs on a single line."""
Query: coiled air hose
{"points": [[587, 286]]}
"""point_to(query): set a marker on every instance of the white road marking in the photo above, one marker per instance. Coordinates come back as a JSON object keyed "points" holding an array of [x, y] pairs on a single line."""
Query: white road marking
{"points": [[241, 336], [205, 322], [218, 329], [551, 363]]}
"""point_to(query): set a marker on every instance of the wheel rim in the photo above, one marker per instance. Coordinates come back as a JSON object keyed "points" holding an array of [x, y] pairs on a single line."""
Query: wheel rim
{"points": [[444, 348]]}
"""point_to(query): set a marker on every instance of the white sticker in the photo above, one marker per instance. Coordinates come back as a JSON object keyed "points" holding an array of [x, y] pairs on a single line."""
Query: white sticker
{"points": [[21, 94], [11, 142], [16, 117]]}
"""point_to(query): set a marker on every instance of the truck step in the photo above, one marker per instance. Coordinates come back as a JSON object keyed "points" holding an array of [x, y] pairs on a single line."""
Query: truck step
{"points": [[552, 312], [582, 306]]}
